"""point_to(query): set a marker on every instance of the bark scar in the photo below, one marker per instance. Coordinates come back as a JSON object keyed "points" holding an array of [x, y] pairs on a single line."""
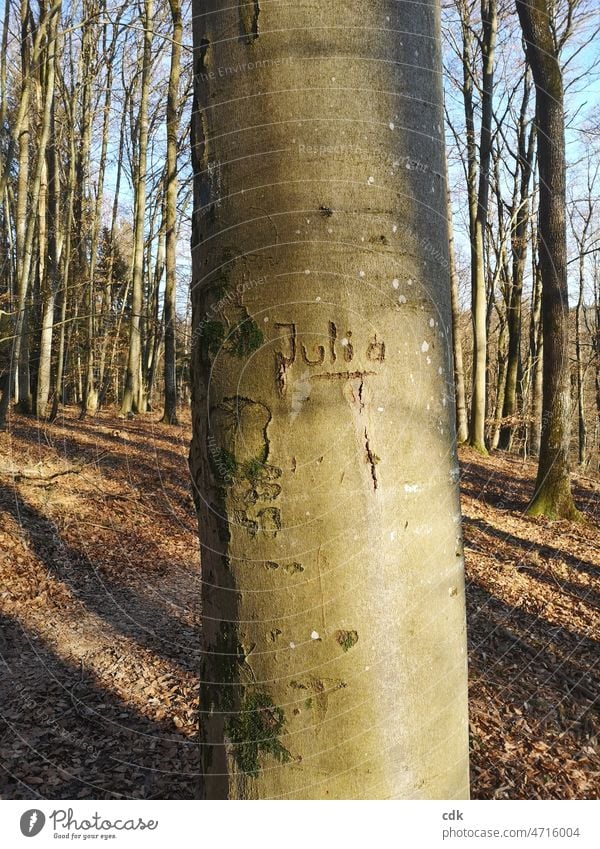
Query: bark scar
{"points": [[372, 459], [360, 396], [249, 13], [342, 375], [201, 66]]}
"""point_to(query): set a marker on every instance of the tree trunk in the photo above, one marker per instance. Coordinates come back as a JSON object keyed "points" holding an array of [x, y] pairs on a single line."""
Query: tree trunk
{"points": [[84, 225], [48, 271], [32, 190], [154, 320], [462, 421], [104, 378], [63, 290], [582, 426], [19, 367], [535, 362], [47, 278], [501, 380], [478, 277], [133, 394], [523, 170], [170, 413], [552, 496], [333, 609]]}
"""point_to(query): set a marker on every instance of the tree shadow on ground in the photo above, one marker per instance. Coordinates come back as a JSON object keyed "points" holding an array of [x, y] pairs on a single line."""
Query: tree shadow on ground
{"points": [[143, 617], [536, 688], [528, 546], [62, 736], [512, 488]]}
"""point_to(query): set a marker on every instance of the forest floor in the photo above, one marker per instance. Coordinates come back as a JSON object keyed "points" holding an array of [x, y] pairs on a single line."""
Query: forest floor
{"points": [[99, 620]]}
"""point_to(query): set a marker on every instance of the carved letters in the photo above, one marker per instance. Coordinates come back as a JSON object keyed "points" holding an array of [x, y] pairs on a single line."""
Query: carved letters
{"points": [[337, 347]]}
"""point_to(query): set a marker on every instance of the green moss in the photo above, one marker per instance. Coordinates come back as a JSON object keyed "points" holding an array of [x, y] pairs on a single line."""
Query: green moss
{"points": [[219, 288], [477, 446], [255, 731], [211, 337], [246, 338], [346, 639], [253, 470], [223, 465], [308, 704]]}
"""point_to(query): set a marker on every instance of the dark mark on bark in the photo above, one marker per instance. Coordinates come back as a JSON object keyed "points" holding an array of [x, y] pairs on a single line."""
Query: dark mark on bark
{"points": [[320, 351], [249, 13], [201, 65], [332, 338], [342, 375], [372, 459], [360, 396]]}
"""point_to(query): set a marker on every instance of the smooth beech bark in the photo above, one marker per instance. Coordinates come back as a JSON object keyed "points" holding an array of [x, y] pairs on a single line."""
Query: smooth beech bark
{"points": [[323, 455]]}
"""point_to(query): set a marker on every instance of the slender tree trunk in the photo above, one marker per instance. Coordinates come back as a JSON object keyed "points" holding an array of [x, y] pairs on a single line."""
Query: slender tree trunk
{"points": [[524, 167], [32, 189], [132, 396], [170, 413], [34, 48], [552, 496], [113, 355], [42, 384], [48, 271], [319, 387], [19, 368], [84, 225], [535, 361], [501, 380], [502, 277], [593, 328], [596, 347], [3, 63], [154, 335], [462, 422], [63, 289], [108, 294], [582, 427], [537, 395], [478, 276]]}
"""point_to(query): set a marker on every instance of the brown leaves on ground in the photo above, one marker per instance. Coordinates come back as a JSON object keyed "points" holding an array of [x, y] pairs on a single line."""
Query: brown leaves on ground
{"points": [[533, 589], [99, 620], [99, 594]]}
